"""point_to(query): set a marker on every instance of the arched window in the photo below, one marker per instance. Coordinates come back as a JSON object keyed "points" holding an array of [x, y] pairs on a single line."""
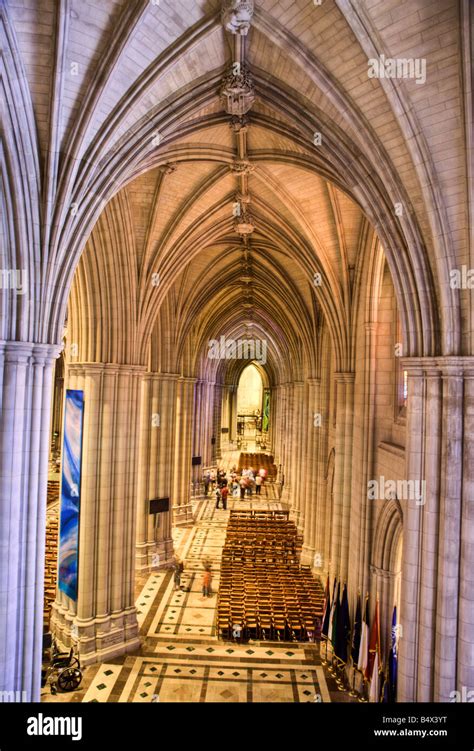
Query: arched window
{"points": [[249, 403], [401, 375]]}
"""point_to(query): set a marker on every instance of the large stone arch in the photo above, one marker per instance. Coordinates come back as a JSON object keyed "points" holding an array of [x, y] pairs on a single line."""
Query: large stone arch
{"points": [[57, 188]]}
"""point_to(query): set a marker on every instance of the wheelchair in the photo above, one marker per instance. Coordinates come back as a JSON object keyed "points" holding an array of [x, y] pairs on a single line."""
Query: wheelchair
{"points": [[63, 670]]}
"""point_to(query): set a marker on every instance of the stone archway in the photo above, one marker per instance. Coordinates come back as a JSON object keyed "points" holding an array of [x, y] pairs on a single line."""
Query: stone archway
{"points": [[93, 157]]}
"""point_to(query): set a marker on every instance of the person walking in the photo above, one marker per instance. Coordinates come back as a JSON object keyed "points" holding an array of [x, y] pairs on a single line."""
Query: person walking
{"points": [[206, 583], [243, 485], [207, 482], [178, 570]]}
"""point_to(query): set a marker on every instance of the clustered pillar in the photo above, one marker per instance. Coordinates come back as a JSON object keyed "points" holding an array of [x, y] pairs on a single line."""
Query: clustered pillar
{"points": [[342, 475], [102, 622], [436, 614], [182, 460], [26, 379], [157, 437]]}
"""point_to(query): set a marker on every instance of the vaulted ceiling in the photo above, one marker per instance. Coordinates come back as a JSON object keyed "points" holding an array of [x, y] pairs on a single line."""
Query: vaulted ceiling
{"points": [[138, 164]]}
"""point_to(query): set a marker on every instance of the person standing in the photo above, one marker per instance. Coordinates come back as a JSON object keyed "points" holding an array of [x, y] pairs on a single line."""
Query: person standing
{"points": [[224, 494], [178, 570], [243, 485], [206, 583], [218, 496], [258, 484]]}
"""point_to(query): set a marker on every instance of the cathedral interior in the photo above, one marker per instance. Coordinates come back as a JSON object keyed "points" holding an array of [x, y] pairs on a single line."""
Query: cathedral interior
{"points": [[237, 350]]}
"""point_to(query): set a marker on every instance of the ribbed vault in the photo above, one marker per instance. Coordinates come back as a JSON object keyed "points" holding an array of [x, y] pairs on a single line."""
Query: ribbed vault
{"points": [[149, 78]]}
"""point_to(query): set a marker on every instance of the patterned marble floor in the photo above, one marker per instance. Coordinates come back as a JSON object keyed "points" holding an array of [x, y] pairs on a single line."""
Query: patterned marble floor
{"points": [[181, 659]]}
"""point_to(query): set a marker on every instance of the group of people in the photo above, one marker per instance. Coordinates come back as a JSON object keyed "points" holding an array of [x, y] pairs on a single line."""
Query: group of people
{"points": [[244, 484], [178, 568]]}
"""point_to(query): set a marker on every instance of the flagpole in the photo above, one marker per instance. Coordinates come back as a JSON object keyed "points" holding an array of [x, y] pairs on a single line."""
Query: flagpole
{"points": [[362, 698], [353, 692], [325, 636], [340, 679]]}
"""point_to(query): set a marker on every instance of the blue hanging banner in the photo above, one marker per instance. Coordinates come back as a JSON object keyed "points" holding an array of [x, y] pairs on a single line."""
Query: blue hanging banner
{"points": [[70, 493]]}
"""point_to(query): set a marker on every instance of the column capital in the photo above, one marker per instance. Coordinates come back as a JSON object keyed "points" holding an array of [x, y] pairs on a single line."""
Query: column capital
{"points": [[21, 352], [451, 365], [148, 376], [83, 368], [344, 376], [314, 381]]}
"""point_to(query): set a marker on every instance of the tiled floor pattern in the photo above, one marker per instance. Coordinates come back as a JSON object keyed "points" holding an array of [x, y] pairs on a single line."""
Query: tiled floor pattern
{"points": [[181, 659]]}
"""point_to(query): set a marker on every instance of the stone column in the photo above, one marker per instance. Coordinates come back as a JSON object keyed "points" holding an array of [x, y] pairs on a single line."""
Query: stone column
{"points": [[435, 612], [157, 442], [216, 422], [287, 440], [226, 413], [182, 468], [322, 511], [25, 407], [313, 425], [233, 413], [197, 433], [57, 404], [277, 423], [103, 620], [207, 422], [465, 656], [362, 510], [273, 417], [297, 460], [343, 474]]}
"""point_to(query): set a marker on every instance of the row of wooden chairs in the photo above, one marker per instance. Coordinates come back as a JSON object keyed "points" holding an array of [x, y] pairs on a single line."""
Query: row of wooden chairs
{"points": [[264, 592], [268, 627], [251, 515], [264, 538]]}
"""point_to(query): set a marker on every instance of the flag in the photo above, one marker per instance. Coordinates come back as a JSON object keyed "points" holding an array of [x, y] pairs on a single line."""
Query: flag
{"points": [[364, 639], [374, 645], [393, 659], [331, 610], [356, 632], [335, 616], [343, 627], [374, 691], [327, 609]]}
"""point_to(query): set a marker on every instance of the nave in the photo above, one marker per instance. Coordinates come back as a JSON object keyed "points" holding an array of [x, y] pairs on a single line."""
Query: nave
{"points": [[199, 196], [181, 658]]}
